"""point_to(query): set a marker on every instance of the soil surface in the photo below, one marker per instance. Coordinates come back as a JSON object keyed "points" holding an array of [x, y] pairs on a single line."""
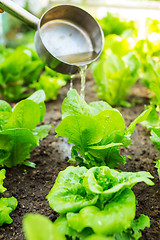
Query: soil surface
{"points": [[30, 186]]}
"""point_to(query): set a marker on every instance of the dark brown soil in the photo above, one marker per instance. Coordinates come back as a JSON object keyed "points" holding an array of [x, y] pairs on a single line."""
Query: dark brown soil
{"points": [[30, 186]]}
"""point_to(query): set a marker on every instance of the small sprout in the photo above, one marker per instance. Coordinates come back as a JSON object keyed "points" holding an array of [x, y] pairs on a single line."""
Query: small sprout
{"points": [[24, 172]]}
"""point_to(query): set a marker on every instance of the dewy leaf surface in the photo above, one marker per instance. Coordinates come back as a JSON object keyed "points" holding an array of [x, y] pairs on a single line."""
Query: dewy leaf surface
{"points": [[39, 227], [116, 216], [68, 192]]}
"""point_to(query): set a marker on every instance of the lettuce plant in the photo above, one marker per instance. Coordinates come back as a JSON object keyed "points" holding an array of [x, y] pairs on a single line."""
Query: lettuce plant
{"points": [[7, 205], [152, 25], [18, 132], [78, 187], [158, 167], [114, 24], [153, 124], [151, 79], [119, 46], [146, 50], [21, 70], [97, 131], [18, 68], [96, 201], [155, 138], [114, 76]]}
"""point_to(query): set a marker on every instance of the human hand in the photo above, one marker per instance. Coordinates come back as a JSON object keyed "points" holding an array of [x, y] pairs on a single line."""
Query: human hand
{"points": [[1, 10]]}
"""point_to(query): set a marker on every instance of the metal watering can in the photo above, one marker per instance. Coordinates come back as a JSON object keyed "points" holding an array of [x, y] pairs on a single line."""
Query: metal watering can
{"points": [[66, 38]]}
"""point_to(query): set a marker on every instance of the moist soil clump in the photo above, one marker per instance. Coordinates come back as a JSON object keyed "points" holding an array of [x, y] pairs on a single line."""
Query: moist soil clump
{"points": [[30, 186]]}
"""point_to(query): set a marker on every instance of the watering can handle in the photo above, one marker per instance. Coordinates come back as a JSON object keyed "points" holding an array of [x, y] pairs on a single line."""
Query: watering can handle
{"points": [[20, 13]]}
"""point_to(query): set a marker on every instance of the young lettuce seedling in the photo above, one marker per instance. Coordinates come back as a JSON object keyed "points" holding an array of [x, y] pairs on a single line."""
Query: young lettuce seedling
{"points": [[116, 71], [97, 131], [18, 132], [18, 68], [7, 205]]}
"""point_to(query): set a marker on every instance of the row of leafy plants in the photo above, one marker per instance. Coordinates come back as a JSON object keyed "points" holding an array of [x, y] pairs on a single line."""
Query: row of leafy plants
{"points": [[126, 59], [22, 72], [19, 135], [95, 201]]}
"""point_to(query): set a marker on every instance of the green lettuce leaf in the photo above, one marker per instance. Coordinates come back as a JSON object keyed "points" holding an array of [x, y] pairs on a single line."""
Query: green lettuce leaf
{"points": [[7, 205], [114, 218], [39, 97], [109, 183], [17, 70], [18, 132], [133, 233], [15, 146], [80, 130], [151, 79], [115, 80], [41, 132], [158, 167], [99, 237], [120, 46], [26, 114], [114, 24], [155, 137], [38, 227], [2, 177], [5, 113], [68, 192], [63, 227], [74, 104]]}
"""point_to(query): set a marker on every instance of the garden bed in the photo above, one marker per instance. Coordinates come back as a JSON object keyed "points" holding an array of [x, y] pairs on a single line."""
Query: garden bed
{"points": [[30, 186]]}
